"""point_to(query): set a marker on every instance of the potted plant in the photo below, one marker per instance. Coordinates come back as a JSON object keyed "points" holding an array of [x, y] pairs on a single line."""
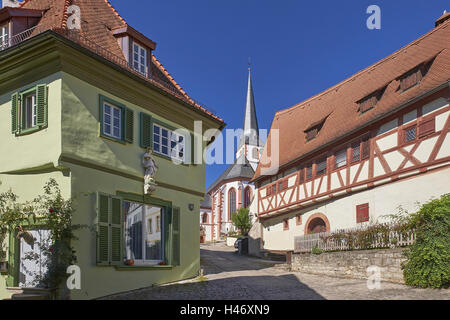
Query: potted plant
{"points": [[129, 262]]}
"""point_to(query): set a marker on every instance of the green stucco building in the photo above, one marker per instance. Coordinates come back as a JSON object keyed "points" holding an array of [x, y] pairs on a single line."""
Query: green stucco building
{"points": [[82, 106]]}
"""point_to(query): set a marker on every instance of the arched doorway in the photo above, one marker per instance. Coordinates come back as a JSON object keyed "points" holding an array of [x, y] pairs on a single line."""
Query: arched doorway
{"points": [[317, 223]]}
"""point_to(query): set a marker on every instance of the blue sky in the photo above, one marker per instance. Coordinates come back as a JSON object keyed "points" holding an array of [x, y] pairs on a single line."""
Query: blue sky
{"points": [[297, 48]]}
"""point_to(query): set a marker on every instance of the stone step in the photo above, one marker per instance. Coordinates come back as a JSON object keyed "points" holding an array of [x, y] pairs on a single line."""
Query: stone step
{"points": [[283, 266], [30, 296], [29, 293], [273, 256]]}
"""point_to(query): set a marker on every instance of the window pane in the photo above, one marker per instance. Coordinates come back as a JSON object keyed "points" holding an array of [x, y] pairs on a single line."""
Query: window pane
{"points": [[322, 167], [232, 202], [107, 119], [156, 129], [143, 242], [410, 134], [341, 159], [165, 150], [116, 112], [356, 152], [133, 230], [153, 241], [156, 147], [309, 172], [29, 116], [165, 133], [116, 132], [107, 128], [107, 109]]}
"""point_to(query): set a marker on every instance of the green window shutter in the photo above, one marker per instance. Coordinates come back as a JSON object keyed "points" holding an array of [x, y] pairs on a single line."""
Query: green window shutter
{"points": [[176, 252], [14, 113], [146, 130], [41, 103], [103, 229], [129, 125], [116, 231], [109, 230]]}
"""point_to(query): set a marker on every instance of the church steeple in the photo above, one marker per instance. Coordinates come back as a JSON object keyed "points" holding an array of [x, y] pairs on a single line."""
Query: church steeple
{"points": [[250, 128], [250, 145]]}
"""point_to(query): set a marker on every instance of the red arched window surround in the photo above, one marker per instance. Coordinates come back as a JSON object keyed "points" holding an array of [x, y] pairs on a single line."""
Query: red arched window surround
{"points": [[231, 202], [247, 196]]}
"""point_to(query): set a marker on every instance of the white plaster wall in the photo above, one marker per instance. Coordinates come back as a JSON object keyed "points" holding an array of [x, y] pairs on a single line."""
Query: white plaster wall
{"points": [[227, 226], [341, 213], [207, 226]]}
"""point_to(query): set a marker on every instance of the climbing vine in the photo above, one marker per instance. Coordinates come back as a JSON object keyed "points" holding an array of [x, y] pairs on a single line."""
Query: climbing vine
{"points": [[51, 212]]}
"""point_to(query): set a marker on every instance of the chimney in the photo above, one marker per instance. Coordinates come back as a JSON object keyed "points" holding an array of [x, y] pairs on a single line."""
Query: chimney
{"points": [[443, 18]]}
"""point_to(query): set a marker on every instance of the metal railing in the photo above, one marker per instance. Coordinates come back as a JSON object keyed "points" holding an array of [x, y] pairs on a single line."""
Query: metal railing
{"points": [[347, 239], [77, 37], [18, 38]]}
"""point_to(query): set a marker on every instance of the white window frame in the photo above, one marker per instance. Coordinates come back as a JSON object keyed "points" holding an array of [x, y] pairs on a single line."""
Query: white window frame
{"points": [[111, 122], [4, 35], [150, 226], [139, 53], [144, 230], [30, 111], [172, 137]]}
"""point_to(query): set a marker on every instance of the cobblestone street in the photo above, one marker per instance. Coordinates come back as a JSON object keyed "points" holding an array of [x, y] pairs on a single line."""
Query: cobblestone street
{"points": [[230, 276]]}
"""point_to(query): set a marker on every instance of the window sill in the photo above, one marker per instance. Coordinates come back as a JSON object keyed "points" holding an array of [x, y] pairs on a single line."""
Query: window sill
{"points": [[122, 142], [163, 156], [28, 131], [142, 267]]}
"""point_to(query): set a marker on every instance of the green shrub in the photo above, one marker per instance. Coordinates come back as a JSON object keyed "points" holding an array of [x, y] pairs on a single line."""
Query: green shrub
{"points": [[428, 259], [241, 220], [317, 250]]}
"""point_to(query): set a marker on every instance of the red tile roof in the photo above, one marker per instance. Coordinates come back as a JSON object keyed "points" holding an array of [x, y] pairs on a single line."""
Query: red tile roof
{"points": [[340, 101], [98, 20]]}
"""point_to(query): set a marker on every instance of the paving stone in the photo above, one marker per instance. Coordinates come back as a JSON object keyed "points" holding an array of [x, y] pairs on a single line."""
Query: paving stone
{"points": [[231, 276]]}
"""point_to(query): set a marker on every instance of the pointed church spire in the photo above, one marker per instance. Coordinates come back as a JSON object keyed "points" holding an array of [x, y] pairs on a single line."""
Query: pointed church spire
{"points": [[251, 132]]}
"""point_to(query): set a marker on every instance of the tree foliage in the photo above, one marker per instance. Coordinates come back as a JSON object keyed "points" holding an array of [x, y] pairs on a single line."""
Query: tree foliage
{"points": [[241, 220]]}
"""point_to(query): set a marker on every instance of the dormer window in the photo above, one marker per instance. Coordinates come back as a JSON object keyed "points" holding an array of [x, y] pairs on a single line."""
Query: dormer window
{"points": [[370, 101], [4, 36], [140, 59], [136, 48], [313, 130], [312, 133], [415, 76], [410, 79]]}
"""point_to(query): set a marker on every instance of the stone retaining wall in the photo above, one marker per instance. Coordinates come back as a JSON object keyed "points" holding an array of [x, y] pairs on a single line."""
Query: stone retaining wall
{"points": [[352, 264]]}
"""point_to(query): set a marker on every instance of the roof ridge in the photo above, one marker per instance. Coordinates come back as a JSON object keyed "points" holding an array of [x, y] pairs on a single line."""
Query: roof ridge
{"points": [[354, 76], [65, 14], [167, 74]]}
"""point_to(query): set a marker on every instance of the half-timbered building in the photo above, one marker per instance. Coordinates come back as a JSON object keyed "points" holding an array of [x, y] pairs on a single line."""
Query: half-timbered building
{"points": [[359, 150]]}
